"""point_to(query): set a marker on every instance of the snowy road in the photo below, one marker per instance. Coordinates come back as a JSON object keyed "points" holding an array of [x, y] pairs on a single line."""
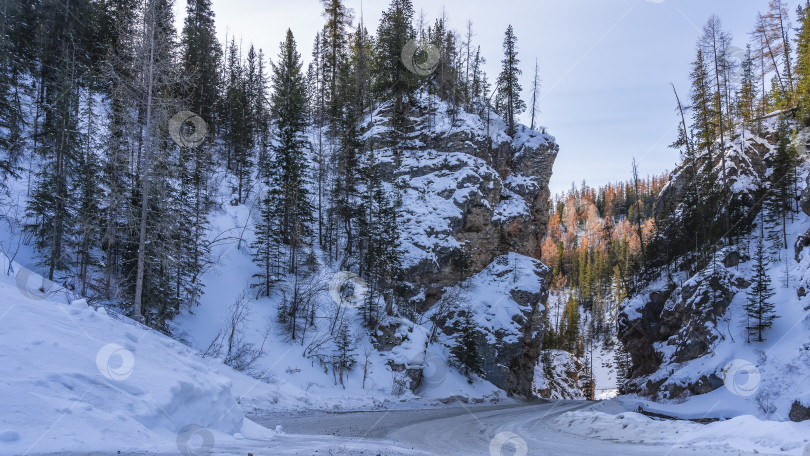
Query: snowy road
{"points": [[456, 431]]}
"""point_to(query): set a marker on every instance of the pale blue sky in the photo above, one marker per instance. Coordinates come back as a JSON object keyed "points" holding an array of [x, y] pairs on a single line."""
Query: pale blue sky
{"points": [[605, 64]]}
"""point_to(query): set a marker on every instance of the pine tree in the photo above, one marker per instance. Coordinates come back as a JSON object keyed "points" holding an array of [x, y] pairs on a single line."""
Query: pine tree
{"points": [[117, 166], [89, 193], [239, 120], [803, 62], [64, 49], [201, 54], [747, 94], [344, 358], [535, 94], [265, 246], [288, 182], [151, 247], [392, 79], [334, 52], [508, 101], [465, 350], [759, 308], [703, 111], [782, 182], [13, 52]]}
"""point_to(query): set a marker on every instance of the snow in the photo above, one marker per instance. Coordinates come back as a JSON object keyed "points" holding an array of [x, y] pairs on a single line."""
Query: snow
{"points": [[511, 206], [441, 184], [76, 378], [558, 383], [759, 379], [488, 296], [745, 433]]}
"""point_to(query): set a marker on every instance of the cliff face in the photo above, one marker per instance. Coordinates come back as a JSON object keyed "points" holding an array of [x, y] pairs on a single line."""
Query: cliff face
{"points": [[471, 195], [686, 330], [470, 192], [506, 302]]}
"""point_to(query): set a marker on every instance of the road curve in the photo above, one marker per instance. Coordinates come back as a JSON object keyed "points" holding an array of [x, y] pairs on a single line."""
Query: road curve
{"points": [[512, 430]]}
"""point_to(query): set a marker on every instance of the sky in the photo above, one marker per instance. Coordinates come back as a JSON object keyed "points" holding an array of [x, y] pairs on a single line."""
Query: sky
{"points": [[605, 65]]}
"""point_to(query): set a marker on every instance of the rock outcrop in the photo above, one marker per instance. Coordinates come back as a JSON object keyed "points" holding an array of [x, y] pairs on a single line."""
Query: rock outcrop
{"points": [[470, 192], [675, 324], [506, 301]]}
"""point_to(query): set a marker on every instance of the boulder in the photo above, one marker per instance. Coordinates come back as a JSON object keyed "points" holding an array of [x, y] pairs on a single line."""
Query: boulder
{"points": [[799, 412]]}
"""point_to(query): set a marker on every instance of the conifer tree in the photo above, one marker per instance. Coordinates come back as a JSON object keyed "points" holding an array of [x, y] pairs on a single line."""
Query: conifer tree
{"points": [[759, 308], [87, 208], [151, 247], [747, 93], [535, 94], [392, 79], [508, 100], [782, 182], [201, 54], [334, 52], [465, 349], [803, 62], [64, 48], [288, 182], [344, 358], [239, 120]]}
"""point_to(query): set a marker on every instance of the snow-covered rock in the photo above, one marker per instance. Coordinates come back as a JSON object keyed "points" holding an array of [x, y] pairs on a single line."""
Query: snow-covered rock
{"points": [[506, 301], [469, 192], [685, 329]]}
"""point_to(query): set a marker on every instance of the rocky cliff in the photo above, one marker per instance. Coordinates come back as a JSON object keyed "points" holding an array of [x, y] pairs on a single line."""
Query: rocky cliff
{"points": [[685, 329], [470, 195], [470, 192]]}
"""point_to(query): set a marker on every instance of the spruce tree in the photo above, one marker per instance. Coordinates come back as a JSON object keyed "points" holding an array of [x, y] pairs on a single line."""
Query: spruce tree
{"points": [[201, 54], [344, 357], [508, 101], [535, 94], [239, 121], [334, 52], [782, 183], [288, 181], [465, 349], [86, 186], [747, 94], [759, 308], [392, 79], [803, 62]]}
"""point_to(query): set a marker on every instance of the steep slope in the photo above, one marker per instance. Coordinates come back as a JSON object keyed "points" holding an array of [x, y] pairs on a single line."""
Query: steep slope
{"points": [[471, 194], [76, 378], [686, 330]]}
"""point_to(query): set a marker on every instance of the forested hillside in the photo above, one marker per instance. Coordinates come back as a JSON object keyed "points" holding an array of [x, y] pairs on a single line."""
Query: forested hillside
{"points": [[721, 292], [362, 182]]}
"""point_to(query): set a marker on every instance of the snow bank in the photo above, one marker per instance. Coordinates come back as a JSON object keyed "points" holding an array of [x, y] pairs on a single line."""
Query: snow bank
{"points": [[744, 433], [77, 379]]}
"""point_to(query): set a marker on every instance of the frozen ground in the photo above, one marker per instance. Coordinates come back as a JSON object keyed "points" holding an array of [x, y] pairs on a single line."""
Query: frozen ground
{"points": [[503, 430]]}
